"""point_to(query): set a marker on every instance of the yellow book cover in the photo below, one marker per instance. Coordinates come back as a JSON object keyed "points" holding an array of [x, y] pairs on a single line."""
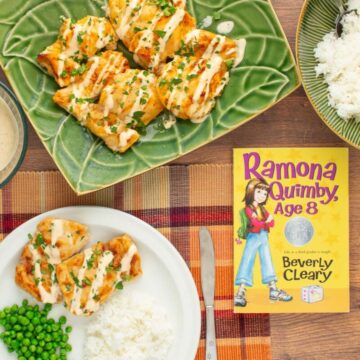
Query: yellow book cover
{"points": [[291, 230]]}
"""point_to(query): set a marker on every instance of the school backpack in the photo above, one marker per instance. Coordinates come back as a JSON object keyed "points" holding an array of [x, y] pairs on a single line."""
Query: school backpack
{"points": [[244, 224]]}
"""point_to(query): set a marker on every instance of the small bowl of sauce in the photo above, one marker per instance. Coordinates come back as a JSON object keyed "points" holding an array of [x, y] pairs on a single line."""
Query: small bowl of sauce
{"points": [[13, 135]]}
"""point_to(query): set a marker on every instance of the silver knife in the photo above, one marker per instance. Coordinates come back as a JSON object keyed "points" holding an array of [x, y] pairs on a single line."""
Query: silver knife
{"points": [[207, 260]]}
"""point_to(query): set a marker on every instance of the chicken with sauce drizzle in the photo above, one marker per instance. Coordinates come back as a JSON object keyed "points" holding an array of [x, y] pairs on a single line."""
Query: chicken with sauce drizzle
{"points": [[189, 84], [124, 109], [65, 58], [88, 279], [54, 241], [152, 30], [100, 71], [126, 105], [115, 102]]}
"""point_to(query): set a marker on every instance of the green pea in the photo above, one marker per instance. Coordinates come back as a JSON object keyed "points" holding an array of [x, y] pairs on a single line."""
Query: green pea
{"points": [[62, 352], [26, 342], [68, 329], [32, 348], [29, 314], [47, 307], [62, 320], [21, 311], [23, 320]]}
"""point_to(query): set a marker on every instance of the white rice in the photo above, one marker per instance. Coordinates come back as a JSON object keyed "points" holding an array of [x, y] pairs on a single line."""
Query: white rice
{"points": [[339, 63], [129, 327]]}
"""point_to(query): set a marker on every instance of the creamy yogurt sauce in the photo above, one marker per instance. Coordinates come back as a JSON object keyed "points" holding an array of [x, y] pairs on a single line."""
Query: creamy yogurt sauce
{"points": [[225, 27], [9, 136]]}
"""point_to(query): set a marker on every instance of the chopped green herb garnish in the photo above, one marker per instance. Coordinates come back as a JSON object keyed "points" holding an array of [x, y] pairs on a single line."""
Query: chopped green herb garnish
{"points": [[90, 262], [80, 37], [51, 267], [86, 281], [229, 64], [176, 81], [162, 82], [191, 76], [126, 277], [75, 279], [39, 241], [161, 33], [119, 285]]}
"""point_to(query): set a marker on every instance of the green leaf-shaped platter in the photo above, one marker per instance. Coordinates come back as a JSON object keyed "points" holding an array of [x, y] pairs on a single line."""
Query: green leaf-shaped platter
{"points": [[317, 19], [267, 74]]}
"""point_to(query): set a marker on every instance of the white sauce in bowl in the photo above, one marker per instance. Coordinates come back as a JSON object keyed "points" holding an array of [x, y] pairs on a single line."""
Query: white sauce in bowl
{"points": [[9, 137]]}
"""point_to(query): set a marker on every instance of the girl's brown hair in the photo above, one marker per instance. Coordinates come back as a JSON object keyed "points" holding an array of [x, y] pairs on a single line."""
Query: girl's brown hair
{"points": [[250, 190]]}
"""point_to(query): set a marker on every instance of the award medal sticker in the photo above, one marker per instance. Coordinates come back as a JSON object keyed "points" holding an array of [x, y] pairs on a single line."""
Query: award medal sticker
{"points": [[299, 231]]}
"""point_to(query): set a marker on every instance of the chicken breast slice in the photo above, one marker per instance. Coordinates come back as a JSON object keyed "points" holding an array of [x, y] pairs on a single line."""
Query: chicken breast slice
{"points": [[54, 241], [65, 58], [88, 279]]}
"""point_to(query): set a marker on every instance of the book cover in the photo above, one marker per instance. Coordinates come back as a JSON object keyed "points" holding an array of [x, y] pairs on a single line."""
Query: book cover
{"points": [[291, 230]]}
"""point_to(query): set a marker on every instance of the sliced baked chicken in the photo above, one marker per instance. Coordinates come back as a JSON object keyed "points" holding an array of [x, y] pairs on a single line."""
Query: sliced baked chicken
{"points": [[100, 71], [128, 17], [54, 241], [189, 85], [205, 44], [88, 279], [152, 30], [125, 106], [65, 59]]}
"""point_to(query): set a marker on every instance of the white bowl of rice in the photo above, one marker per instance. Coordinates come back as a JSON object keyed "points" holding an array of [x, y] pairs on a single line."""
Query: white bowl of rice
{"points": [[338, 62]]}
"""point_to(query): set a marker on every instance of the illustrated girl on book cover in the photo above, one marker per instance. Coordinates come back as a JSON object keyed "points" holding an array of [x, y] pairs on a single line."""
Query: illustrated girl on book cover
{"points": [[255, 227]]}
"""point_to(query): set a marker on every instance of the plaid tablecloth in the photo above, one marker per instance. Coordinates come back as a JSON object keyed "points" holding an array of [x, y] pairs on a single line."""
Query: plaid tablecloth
{"points": [[176, 200]]}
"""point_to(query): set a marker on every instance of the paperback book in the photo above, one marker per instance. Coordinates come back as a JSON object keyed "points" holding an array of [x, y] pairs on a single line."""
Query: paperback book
{"points": [[291, 230]]}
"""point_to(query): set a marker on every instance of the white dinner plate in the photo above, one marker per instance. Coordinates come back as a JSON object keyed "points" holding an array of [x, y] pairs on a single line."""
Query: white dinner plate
{"points": [[166, 276]]}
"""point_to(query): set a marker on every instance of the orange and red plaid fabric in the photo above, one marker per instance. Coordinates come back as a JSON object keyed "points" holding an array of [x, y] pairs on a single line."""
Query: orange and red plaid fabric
{"points": [[176, 200]]}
